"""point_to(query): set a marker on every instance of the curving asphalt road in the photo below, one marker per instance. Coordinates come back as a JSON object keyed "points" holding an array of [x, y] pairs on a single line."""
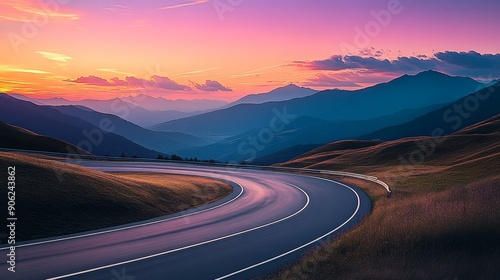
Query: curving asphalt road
{"points": [[268, 221]]}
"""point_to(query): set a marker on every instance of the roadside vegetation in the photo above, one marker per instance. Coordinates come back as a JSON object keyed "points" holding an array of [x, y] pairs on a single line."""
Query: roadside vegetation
{"points": [[442, 222], [54, 198], [432, 234]]}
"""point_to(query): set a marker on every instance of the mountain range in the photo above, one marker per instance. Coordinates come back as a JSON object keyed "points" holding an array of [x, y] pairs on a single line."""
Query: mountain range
{"points": [[162, 104], [269, 127], [320, 118], [119, 107], [47, 121], [444, 120], [473, 108], [147, 111], [165, 142], [407, 92]]}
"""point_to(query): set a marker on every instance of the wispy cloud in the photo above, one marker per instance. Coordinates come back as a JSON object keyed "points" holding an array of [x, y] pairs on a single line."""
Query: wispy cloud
{"points": [[14, 69], [180, 4], [194, 72], [15, 82], [62, 58], [115, 71], [25, 10], [117, 8], [256, 72]]}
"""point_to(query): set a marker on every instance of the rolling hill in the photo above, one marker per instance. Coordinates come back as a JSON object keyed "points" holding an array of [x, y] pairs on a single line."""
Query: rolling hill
{"points": [[303, 150], [14, 137], [58, 198], [302, 131], [443, 215], [48, 121], [478, 142], [284, 155]]}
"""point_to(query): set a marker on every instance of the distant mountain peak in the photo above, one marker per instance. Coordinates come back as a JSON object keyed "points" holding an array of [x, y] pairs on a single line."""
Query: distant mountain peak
{"points": [[283, 93], [431, 73], [292, 86], [438, 74], [288, 87]]}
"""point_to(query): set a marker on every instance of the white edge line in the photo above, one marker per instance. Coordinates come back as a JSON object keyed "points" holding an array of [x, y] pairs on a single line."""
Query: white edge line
{"points": [[193, 245], [305, 245], [133, 226]]}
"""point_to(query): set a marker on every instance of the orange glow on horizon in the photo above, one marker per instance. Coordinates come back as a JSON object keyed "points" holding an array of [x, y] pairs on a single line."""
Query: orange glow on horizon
{"points": [[189, 43]]}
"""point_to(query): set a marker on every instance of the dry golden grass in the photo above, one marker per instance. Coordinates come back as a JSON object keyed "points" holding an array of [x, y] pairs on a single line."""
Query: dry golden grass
{"points": [[54, 198], [442, 222], [438, 235], [199, 190]]}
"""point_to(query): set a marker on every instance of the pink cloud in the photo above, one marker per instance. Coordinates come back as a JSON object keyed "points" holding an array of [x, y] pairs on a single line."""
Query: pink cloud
{"points": [[117, 82], [155, 81], [470, 63], [166, 83], [93, 80], [210, 85]]}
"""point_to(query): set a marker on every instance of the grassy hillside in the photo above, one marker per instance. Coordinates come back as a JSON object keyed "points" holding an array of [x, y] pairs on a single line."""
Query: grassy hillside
{"points": [[86, 199], [14, 137], [442, 222], [477, 143], [284, 155], [450, 234]]}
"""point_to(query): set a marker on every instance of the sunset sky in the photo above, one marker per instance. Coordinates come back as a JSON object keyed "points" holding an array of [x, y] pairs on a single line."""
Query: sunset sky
{"points": [[224, 49]]}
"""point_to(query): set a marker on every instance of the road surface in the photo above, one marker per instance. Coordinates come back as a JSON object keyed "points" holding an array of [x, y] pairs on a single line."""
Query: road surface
{"points": [[268, 221]]}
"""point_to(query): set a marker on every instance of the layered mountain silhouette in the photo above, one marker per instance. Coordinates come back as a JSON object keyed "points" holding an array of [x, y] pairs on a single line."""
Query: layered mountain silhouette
{"points": [[407, 92], [165, 142], [50, 122], [474, 108], [263, 128], [445, 120], [161, 104], [119, 107], [380, 106], [257, 143]]}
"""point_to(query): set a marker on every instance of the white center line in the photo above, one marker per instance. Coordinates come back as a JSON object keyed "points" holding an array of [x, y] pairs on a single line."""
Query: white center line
{"points": [[190, 246]]}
